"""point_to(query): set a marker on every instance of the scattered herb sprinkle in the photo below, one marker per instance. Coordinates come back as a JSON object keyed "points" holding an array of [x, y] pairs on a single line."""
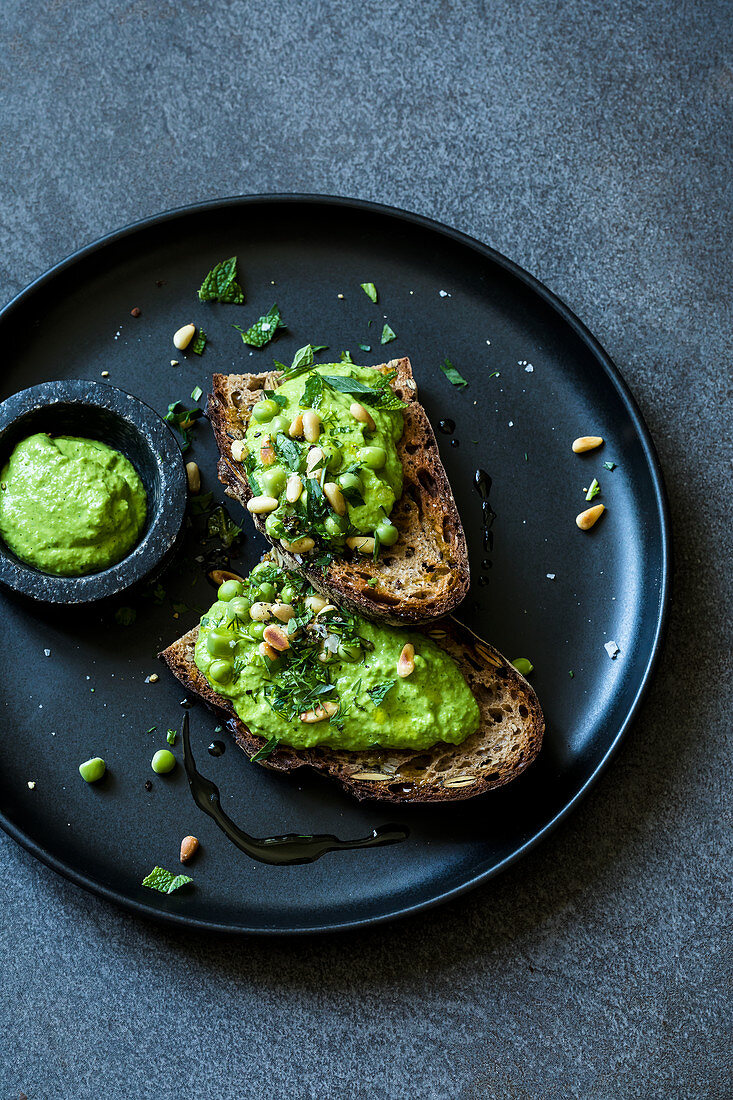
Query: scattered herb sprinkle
{"points": [[267, 750], [387, 335], [263, 330], [125, 616], [165, 882], [199, 342], [454, 376], [609, 465], [379, 692], [196, 393], [594, 490], [371, 292], [183, 420], [171, 736], [221, 285]]}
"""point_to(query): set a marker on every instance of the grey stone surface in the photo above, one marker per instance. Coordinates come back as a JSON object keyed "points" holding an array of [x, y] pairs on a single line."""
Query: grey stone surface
{"points": [[591, 143]]}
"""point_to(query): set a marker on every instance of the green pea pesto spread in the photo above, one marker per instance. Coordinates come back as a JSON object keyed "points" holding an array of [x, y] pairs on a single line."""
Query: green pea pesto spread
{"points": [[357, 457], [70, 506], [335, 661]]}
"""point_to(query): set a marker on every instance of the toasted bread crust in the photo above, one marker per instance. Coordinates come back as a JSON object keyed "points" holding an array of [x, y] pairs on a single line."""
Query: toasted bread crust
{"points": [[508, 739], [426, 575]]}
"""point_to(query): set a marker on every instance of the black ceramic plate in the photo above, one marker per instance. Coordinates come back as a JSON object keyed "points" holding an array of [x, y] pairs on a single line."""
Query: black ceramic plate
{"points": [[75, 687]]}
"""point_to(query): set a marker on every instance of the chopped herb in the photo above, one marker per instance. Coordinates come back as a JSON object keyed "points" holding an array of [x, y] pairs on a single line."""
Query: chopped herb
{"points": [[387, 335], [370, 290], [152, 729], [183, 420], [453, 376], [345, 357], [494, 374], [365, 347], [198, 343], [289, 451], [609, 465], [353, 496], [198, 506], [180, 608], [171, 736], [571, 674], [312, 392], [165, 882], [302, 361], [221, 285], [196, 393], [594, 490], [125, 616], [378, 693], [377, 544], [526, 459], [380, 396], [263, 330], [373, 582], [222, 526], [319, 347], [267, 750]]}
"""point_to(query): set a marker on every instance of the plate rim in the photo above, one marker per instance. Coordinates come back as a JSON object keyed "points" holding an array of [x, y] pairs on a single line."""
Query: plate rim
{"points": [[625, 394]]}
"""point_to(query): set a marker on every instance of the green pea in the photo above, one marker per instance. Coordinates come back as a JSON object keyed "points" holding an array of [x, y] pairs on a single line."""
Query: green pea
{"points": [[333, 455], [258, 569], [256, 631], [219, 642], [163, 761], [349, 651], [229, 589], [266, 593], [93, 769], [336, 525], [278, 424], [373, 458], [273, 481], [275, 527], [239, 606], [387, 532], [265, 410], [221, 671], [288, 594], [523, 665], [350, 481]]}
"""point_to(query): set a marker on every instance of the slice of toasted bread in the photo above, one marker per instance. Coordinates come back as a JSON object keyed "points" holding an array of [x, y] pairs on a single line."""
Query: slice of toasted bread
{"points": [[426, 574], [508, 739]]}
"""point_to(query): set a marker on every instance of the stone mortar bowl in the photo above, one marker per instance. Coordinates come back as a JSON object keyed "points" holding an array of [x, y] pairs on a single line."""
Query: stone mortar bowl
{"points": [[95, 410]]}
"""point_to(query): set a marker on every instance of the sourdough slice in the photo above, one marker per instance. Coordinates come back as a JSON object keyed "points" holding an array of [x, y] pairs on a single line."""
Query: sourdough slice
{"points": [[508, 739], [426, 574]]}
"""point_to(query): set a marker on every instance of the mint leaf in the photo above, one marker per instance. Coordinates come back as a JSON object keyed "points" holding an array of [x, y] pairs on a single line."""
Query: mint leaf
{"points": [[370, 290], [387, 335], [165, 882], [222, 526], [262, 331], [221, 285], [302, 361], [289, 451], [453, 376], [379, 397], [379, 691], [196, 393], [198, 343], [267, 749], [312, 392]]}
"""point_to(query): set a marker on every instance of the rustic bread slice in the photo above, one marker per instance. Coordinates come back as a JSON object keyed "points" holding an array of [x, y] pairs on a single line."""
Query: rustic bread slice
{"points": [[508, 739], [426, 574]]}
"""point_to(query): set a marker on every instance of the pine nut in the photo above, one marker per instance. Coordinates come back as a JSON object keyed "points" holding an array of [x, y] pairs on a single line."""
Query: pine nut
{"points": [[335, 498], [328, 607], [258, 506], [362, 543], [590, 516], [260, 612], [193, 476], [295, 430], [267, 651], [406, 662], [189, 847], [184, 336], [276, 637], [586, 443], [283, 611], [267, 452], [316, 603], [362, 415], [293, 488], [321, 712], [239, 449], [311, 425], [300, 546], [314, 457]]}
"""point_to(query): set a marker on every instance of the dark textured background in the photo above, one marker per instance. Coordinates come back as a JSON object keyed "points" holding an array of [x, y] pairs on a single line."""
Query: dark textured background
{"points": [[591, 142]]}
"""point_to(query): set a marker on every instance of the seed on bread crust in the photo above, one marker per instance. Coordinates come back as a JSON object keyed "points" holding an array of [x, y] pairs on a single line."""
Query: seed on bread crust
{"points": [[373, 777]]}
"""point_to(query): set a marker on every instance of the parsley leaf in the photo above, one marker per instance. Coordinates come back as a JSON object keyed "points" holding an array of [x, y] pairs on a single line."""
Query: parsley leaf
{"points": [[198, 343], [453, 376], [165, 882], [267, 750], [263, 330], [370, 290], [379, 691], [221, 285]]}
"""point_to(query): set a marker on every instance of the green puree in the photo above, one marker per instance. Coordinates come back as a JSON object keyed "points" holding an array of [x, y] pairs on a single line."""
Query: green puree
{"points": [[358, 456], [70, 506], [433, 703]]}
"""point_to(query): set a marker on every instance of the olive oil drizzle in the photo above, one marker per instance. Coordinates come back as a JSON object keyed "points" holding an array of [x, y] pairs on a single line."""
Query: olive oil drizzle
{"points": [[289, 849]]}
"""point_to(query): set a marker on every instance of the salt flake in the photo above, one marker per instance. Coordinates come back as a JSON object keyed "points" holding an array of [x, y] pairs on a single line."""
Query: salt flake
{"points": [[612, 650]]}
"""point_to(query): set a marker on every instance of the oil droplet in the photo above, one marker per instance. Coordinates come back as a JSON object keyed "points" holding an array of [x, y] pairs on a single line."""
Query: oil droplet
{"points": [[217, 748]]}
